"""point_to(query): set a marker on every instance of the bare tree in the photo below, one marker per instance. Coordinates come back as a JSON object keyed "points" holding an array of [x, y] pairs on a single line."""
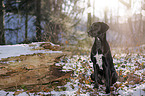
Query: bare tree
{"points": [[26, 23], [133, 37], [60, 17], [105, 17], [143, 21], [89, 16], [2, 37], [38, 20]]}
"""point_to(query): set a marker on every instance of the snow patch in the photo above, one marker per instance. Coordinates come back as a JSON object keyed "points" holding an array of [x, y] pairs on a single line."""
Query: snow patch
{"points": [[21, 49]]}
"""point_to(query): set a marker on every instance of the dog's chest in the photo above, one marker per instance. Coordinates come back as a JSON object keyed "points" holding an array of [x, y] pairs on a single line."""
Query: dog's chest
{"points": [[99, 60], [99, 52]]}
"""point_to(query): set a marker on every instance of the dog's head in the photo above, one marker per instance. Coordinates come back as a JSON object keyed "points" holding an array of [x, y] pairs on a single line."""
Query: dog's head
{"points": [[97, 29]]}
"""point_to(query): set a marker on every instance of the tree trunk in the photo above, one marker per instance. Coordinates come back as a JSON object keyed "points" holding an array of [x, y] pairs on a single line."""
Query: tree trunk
{"points": [[143, 31], [26, 23], [38, 20], [133, 38], [105, 18], [2, 37], [89, 17], [93, 10]]}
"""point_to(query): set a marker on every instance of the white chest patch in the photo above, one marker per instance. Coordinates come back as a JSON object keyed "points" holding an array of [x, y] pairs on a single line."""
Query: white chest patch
{"points": [[99, 60]]}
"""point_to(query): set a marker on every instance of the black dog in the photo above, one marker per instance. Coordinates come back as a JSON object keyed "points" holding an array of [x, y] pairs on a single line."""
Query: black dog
{"points": [[101, 46]]}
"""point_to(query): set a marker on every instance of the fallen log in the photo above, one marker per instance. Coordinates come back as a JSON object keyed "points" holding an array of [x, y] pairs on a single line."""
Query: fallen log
{"points": [[36, 69]]}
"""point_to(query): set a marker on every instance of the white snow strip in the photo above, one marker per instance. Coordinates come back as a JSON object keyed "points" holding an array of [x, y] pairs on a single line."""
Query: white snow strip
{"points": [[20, 49]]}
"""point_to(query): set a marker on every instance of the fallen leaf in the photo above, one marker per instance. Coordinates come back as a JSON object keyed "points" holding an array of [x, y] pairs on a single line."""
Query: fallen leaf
{"points": [[143, 73], [18, 92], [117, 85], [131, 82], [136, 69], [137, 80], [87, 81], [111, 88]]}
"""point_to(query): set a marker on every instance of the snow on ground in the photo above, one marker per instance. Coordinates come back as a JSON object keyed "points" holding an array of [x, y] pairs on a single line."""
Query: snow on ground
{"points": [[130, 67], [22, 49], [127, 64]]}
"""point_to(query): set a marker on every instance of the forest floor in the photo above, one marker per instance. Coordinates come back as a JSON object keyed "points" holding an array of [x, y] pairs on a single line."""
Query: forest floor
{"points": [[28, 70]]}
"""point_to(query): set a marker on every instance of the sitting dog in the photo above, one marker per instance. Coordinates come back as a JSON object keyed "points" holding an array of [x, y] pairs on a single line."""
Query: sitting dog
{"points": [[101, 46]]}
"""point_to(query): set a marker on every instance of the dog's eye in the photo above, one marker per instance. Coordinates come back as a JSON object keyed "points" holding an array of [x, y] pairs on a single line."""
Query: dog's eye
{"points": [[96, 27]]}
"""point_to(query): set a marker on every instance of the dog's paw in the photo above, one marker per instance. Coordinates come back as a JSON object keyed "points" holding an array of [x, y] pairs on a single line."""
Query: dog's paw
{"points": [[114, 78], [96, 85], [107, 91], [99, 78], [92, 77]]}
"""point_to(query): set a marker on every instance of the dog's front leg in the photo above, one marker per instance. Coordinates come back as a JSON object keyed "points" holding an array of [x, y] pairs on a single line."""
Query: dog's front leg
{"points": [[107, 78], [107, 73], [95, 66]]}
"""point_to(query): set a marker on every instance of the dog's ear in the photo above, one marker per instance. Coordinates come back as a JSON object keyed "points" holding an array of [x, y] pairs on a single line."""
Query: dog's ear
{"points": [[104, 27]]}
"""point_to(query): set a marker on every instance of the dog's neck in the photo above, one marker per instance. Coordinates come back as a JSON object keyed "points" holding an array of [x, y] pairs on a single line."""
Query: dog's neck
{"points": [[101, 40], [101, 44], [98, 42]]}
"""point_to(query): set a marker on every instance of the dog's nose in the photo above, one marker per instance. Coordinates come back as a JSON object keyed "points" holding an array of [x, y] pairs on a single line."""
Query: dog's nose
{"points": [[88, 32]]}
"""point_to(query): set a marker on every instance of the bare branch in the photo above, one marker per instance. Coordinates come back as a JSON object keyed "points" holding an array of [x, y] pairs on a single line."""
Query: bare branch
{"points": [[128, 5]]}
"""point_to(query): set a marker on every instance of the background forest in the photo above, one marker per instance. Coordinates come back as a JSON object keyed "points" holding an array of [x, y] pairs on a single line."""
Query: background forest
{"points": [[67, 21], [45, 47]]}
